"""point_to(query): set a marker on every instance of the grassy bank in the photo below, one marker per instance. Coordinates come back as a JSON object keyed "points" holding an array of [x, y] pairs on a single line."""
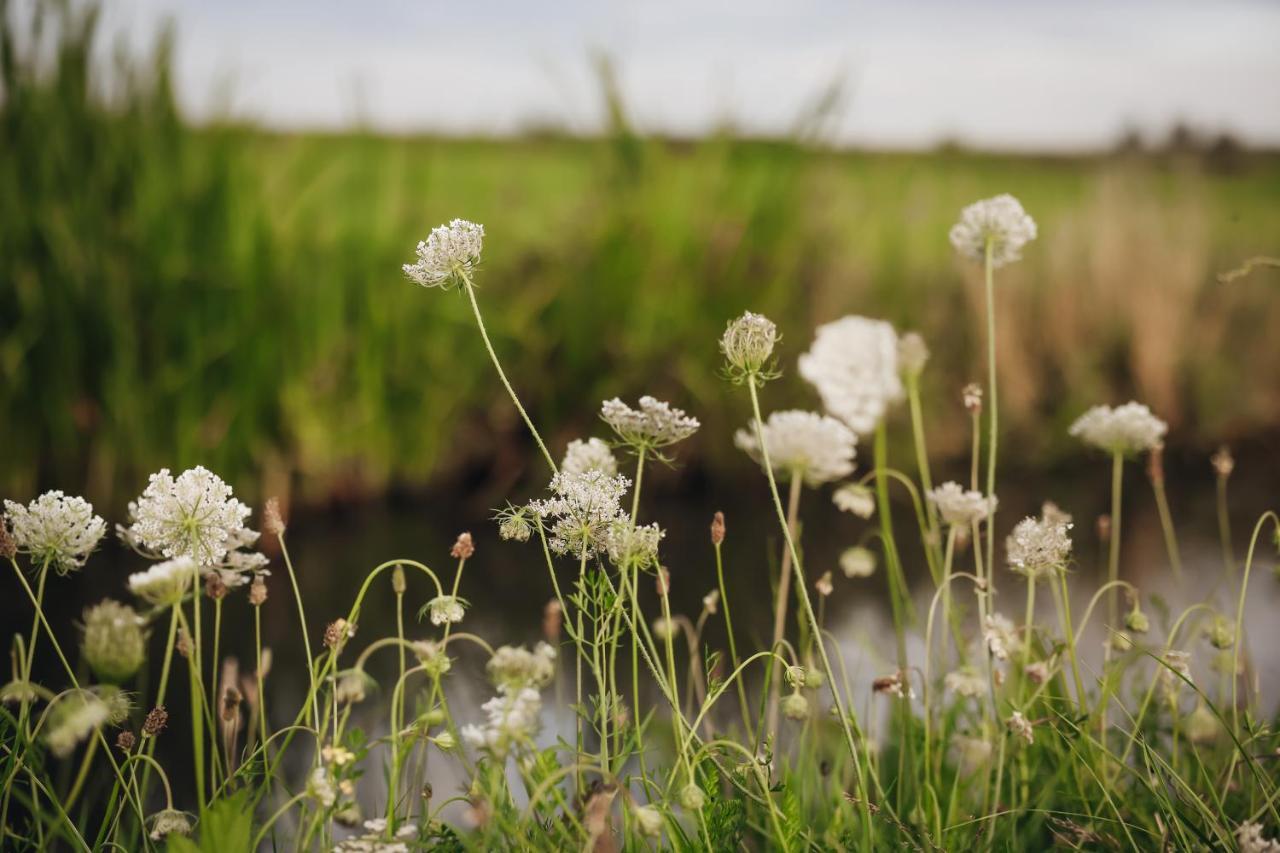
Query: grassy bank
{"points": [[171, 295]]}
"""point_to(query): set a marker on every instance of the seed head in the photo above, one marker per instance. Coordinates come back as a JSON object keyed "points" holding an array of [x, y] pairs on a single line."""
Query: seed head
{"points": [[747, 345], [1020, 726], [662, 581], [338, 632], [448, 255], [972, 396], [157, 719], [1223, 462], [214, 586], [692, 797], [711, 602], [8, 549], [717, 528], [258, 591], [446, 609], [125, 741], [463, 548], [998, 225], [183, 645], [272, 520]]}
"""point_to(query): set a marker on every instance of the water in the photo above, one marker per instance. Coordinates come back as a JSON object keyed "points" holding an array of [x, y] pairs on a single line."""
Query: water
{"points": [[507, 584]]}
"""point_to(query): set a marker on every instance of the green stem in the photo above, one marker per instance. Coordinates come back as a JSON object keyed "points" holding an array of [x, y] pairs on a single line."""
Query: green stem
{"points": [[1166, 526], [733, 648], [306, 635], [1224, 527], [782, 605], [993, 413]]}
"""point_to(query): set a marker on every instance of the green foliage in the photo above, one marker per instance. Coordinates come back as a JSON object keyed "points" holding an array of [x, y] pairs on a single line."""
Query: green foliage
{"points": [[225, 824]]}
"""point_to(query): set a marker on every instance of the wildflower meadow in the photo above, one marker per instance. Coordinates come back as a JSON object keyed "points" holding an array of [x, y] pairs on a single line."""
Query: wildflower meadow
{"points": [[622, 725]]}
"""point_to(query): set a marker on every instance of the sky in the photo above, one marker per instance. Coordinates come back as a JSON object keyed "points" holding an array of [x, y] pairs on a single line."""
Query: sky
{"points": [[1002, 74]]}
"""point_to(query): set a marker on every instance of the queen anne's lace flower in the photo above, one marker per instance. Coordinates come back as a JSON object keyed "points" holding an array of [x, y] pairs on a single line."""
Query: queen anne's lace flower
{"points": [[959, 506], [590, 455], [581, 511], [1000, 221], [169, 822], [1251, 839], [516, 666], [55, 528], [855, 498], [115, 642], [966, 682], [853, 363], [816, 448], [1039, 545], [193, 516], [748, 344], [633, 544], [655, 424], [858, 562], [449, 253], [1130, 428], [74, 718], [512, 721], [1001, 636], [446, 609], [913, 353]]}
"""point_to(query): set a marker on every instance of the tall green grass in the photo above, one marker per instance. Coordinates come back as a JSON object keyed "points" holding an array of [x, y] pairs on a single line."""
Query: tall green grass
{"points": [[171, 294]]}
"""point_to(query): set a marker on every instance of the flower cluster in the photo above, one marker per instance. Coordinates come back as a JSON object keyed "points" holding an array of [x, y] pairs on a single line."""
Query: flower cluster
{"points": [[446, 609], [55, 529], [1038, 546], [115, 640], [449, 253], [517, 667], [998, 222], [590, 455], [582, 510], [966, 682], [961, 507], [194, 515], [633, 544], [655, 424], [853, 364], [913, 354], [1130, 428], [855, 498], [374, 839], [512, 721], [816, 448], [1000, 636], [858, 562]]}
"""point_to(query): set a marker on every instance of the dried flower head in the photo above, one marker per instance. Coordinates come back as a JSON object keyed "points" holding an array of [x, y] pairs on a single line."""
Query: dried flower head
{"points": [[855, 498], [8, 548], [913, 354], [747, 345], [115, 640], [972, 397], [552, 620], [195, 515], [166, 583], [997, 227], [816, 448], [1039, 546], [823, 585], [55, 529], [215, 587], [1020, 727], [272, 519], [463, 548], [1130, 428], [337, 632], [446, 609], [717, 529], [169, 822], [853, 364], [126, 741], [1223, 462], [258, 591], [655, 424], [858, 562], [959, 506], [590, 455], [157, 719], [183, 644], [448, 255], [582, 509]]}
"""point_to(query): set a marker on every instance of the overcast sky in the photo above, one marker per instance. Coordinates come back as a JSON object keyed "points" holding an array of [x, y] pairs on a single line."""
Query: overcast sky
{"points": [[1015, 74]]}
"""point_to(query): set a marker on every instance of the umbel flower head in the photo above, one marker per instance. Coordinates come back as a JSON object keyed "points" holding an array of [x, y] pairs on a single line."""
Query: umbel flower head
{"points": [[747, 345], [512, 721], [164, 583], [913, 354], [446, 609], [655, 424], [590, 455], [816, 448], [1130, 428], [1000, 222], [169, 822], [56, 529], [115, 641], [581, 510], [195, 515], [77, 714], [853, 364], [517, 667], [633, 544], [448, 255], [855, 498], [1038, 546], [959, 506], [858, 562]]}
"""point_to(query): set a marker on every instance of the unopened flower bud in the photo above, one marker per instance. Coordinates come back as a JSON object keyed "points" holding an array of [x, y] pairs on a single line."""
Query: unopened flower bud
{"points": [[748, 344], [214, 586], [272, 520], [115, 641], [258, 591], [463, 548], [1104, 527], [1202, 726], [1223, 462], [692, 797], [823, 585], [398, 585], [795, 707], [662, 581], [717, 528], [1155, 465], [1137, 621], [338, 632], [552, 621]]}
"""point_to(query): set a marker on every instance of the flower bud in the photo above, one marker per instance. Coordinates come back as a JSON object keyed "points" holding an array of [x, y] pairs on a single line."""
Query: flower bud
{"points": [[115, 643], [272, 520], [692, 797], [913, 354], [463, 548], [717, 528], [648, 821], [795, 707], [748, 344]]}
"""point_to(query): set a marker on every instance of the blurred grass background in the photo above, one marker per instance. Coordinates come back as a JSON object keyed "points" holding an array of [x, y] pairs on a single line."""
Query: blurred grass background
{"points": [[173, 294]]}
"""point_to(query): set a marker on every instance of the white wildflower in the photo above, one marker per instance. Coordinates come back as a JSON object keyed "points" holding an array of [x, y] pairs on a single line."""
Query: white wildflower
{"points": [[855, 498], [450, 252], [748, 344], [1177, 667], [633, 544], [853, 363], [512, 721], [1001, 636], [516, 666], [194, 516], [817, 448], [169, 822], [913, 353], [1251, 839], [858, 562], [56, 529], [590, 455], [648, 821], [1038, 546], [959, 506], [1020, 726], [73, 718], [692, 797], [655, 424], [582, 509], [1000, 222], [446, 609], [967, 682], [1130, 428], [320, 787], [795, 707]]}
